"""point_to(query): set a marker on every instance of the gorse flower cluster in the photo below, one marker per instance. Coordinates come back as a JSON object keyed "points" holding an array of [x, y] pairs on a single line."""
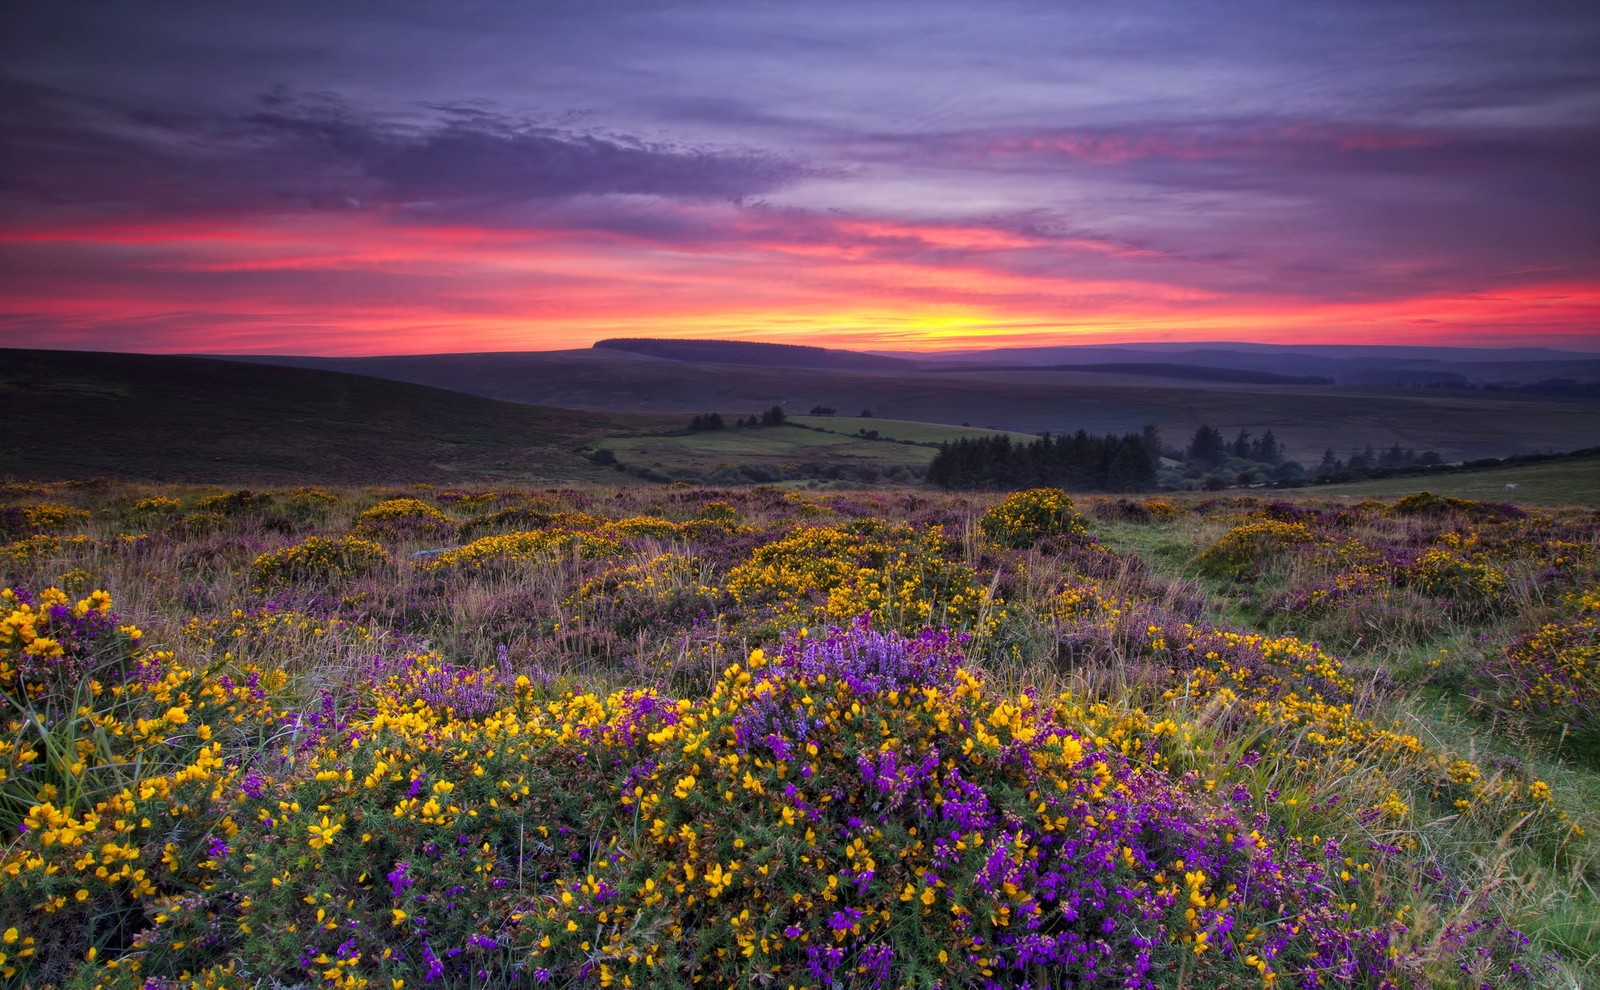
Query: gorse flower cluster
{"points": [[858, 809], [672, 737], [318, 560], [900, 576], [1026, 516], [1403, 572], [404, 517], [1551, 675], [120, 754]]}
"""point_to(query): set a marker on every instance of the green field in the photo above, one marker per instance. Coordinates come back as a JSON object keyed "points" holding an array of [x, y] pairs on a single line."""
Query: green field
{"points": [[1565, 482], [768, 453], [809, 447], [901, 429]]}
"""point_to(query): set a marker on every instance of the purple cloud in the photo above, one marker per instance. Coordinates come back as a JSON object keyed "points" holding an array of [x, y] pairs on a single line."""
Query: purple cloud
{"points": [[318, 151]]}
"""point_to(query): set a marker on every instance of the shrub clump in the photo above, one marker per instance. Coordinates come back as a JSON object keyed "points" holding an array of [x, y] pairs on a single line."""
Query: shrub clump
{"points": [[900, 576], [516, 549], [1245, 551], [858, 809], [403, 517], [1551, 676], [110, 756], [1452, 576], [318, 559], [1026, 517]]}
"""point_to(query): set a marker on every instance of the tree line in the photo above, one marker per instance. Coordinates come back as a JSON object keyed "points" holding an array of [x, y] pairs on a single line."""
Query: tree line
{"points": [[1082, 462], [714, 421], [1139, 462]]}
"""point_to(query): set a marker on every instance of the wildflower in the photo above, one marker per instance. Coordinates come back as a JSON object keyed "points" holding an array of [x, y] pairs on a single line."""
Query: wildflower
{"points": [[322, 835]]}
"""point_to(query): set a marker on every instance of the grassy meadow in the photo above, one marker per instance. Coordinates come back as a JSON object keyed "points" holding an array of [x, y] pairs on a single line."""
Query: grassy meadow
{"points": [[765, 453], [1572, 481], [805, 447], [900, 430], [591, 736]]}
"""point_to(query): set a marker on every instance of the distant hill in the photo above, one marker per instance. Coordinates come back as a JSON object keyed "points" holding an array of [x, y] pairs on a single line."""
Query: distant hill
{"points": [[754, 353], [1194, 373], [73, 414], [1344, 364]]}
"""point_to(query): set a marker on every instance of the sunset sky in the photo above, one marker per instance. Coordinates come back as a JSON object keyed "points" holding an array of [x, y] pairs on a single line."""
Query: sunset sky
{"points": [[394, 176]]}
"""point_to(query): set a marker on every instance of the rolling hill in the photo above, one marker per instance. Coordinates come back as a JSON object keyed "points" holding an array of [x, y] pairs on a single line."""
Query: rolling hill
{"points": [[754, 352], [1307, 419], [1344, 364], [76, 415]]}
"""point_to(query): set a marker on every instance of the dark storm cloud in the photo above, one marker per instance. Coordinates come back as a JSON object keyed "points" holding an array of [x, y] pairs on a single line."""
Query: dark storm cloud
{"points": [[319, 151]]}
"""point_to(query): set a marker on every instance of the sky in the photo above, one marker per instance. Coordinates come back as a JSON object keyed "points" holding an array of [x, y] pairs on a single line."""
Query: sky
{"points": [[395, 176]]}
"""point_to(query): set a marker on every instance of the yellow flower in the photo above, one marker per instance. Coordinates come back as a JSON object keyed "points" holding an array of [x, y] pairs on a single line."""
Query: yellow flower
{"points": [[322, 835]]}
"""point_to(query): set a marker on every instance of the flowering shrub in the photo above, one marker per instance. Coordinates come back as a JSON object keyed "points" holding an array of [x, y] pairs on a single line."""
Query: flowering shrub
{"points": [[1470, 584], [42, 517], [422, 771], [403, 517], [318, 559], [518, 548], [856, 810], [1551, 676], [118, 755], [1245, 551], [157, 504], [899, 576], [236, 503], [32, 552], [1025, 517], [631, 598]]}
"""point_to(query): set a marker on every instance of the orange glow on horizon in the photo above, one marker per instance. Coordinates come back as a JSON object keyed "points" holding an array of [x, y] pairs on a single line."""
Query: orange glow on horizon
{"points": [[353, 283]]}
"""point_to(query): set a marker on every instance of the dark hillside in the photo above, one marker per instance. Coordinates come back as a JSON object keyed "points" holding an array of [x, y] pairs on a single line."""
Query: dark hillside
{"points": [[1307, 419], [749, 352], [71, 414]]}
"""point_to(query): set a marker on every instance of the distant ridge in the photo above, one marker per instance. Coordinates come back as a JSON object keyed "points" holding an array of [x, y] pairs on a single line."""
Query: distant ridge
{"points": [[1197, 373], [81, 414], [754, 353]]}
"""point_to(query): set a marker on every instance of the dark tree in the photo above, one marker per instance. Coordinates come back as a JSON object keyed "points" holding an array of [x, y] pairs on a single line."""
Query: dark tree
{"points": [[1266, 449], [1130, 469], [1081, 462], [1151, 438], [1241, 445], [1207, 446]]}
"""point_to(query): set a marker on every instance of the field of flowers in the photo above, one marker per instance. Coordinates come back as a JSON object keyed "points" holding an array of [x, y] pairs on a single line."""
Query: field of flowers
{"points": [[758, 737]]}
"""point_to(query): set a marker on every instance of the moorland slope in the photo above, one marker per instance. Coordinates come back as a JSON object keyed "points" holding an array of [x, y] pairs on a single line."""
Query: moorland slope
{"points": [[1306, 418], [75, 414]]}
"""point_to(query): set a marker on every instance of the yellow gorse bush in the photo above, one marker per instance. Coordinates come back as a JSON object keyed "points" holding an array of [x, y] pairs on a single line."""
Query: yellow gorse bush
{"points": [[318, 559], [116, 752], [901, 577], [1251, 547], [525, 547], [1025, 517]]}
